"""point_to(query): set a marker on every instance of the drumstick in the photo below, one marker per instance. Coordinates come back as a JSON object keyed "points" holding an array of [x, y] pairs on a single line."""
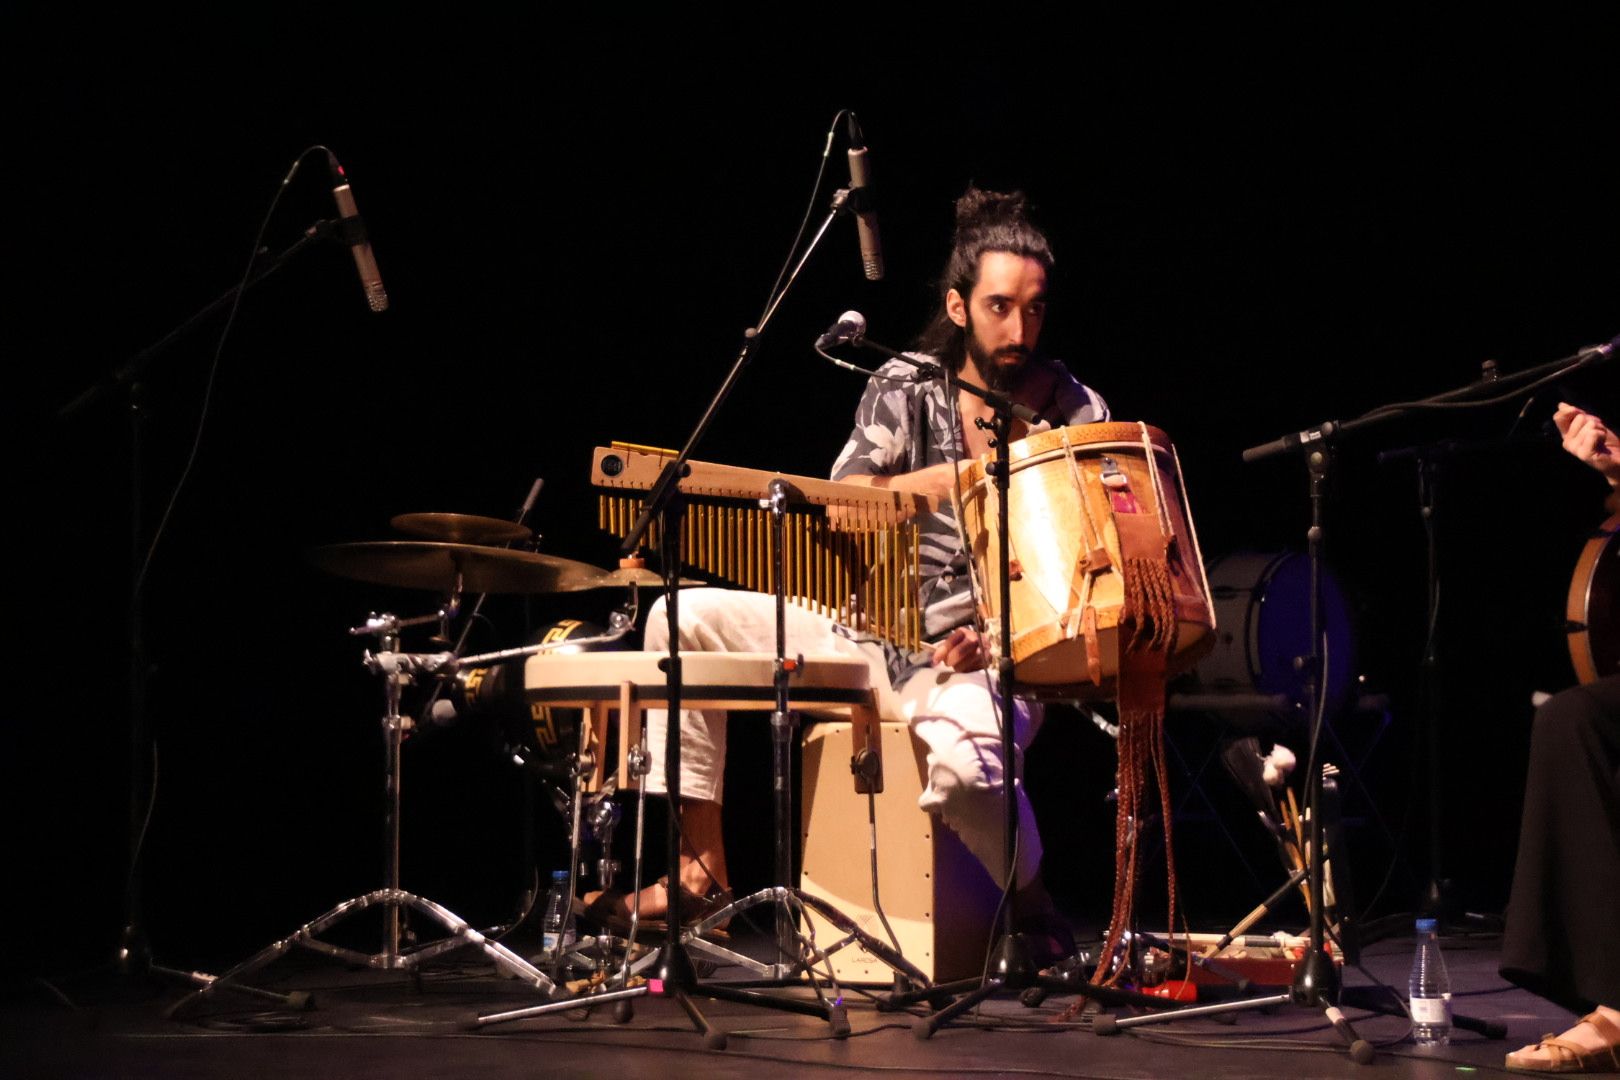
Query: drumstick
{"points": [[1255, 916], [1301, 857]]}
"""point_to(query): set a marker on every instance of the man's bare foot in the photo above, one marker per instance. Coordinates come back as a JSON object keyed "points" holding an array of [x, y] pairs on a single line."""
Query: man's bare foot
{"points": [[1593, 1045], [654, 898]]}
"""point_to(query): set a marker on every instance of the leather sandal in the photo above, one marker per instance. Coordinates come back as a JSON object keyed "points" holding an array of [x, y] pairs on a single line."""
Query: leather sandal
{"points": [[612, 910], [1563, 1056]]}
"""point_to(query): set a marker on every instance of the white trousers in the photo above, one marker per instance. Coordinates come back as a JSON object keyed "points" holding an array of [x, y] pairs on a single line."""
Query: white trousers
{"points": [[953, 714]]}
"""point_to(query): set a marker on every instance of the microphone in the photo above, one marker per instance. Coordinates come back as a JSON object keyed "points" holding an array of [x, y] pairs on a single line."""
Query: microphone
{"points": [[860, 201], [1308, 437], [1600, 351], [353, 231], [850, 329]]}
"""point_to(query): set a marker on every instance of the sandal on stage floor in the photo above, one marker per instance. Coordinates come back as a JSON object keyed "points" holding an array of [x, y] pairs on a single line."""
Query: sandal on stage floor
{"points": [[612, 910], [1564, 1056]]}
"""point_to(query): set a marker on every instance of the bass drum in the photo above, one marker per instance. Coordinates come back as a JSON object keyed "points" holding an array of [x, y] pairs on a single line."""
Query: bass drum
{"points": [[538, 737], [1591, 611], [1263, 609]]}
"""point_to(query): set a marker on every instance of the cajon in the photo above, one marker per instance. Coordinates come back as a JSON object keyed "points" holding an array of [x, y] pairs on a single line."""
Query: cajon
{"points": [[938, 898]]}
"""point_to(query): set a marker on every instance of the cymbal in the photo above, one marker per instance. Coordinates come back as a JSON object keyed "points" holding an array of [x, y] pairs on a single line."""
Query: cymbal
{"points": [[638, 575], [422, 564], [461, 528]]}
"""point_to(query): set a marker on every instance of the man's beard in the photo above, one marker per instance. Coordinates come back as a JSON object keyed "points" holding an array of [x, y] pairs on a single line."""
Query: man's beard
{"points": [[996, 376]]}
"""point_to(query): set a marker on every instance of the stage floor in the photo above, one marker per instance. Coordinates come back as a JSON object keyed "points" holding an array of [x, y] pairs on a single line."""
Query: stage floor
{"points": [[367, 1024]]}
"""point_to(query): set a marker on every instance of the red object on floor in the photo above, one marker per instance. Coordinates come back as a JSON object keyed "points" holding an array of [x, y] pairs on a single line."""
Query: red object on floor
{"points": [[1176, 990]]}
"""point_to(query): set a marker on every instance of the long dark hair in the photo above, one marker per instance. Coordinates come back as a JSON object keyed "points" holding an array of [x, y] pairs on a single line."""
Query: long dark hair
{"points": [[985, 221]]}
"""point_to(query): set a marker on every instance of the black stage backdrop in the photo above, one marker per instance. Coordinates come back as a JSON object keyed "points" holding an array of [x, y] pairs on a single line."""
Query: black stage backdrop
{"points": [[575, 228]]}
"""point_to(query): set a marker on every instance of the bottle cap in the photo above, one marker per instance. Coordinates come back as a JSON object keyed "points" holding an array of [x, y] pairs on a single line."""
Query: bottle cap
{"points": [[1427, 926]]}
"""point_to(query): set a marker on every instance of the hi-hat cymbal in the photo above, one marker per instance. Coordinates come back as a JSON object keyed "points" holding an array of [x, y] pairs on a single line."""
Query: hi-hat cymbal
{"points": [[638, 575], [461, 528], [421, 564]]}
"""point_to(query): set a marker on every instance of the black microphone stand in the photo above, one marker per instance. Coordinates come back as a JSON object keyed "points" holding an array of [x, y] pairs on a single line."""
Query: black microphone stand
{"points": [[1316, 978], [1316, 982], [674, 975], [1011, 969], [1436, 900], [134, 951]]}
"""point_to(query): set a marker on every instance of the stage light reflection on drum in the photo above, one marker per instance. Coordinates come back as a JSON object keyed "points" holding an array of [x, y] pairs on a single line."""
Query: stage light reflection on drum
{"points": [[1262, 606]]}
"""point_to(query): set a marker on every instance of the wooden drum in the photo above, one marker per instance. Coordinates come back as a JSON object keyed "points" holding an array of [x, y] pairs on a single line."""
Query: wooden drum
{"points": [[1083, 500]]}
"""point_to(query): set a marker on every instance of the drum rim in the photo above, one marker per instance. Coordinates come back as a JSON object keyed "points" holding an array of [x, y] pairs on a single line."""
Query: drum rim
{"points": [[1578, 607], [1033, 449]]}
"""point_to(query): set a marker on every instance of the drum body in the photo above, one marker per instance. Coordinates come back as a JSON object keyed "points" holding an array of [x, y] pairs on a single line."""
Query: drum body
{"points": [[536, 736], [1071, 490], [1262, 603], [1594, 637]]}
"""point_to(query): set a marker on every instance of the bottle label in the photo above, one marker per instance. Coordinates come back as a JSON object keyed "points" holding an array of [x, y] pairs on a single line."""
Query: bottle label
{"points": [[1429, 1010]]}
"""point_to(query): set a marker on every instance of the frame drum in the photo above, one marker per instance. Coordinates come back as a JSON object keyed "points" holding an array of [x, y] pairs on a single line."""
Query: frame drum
{"points": [[1594, 638]]}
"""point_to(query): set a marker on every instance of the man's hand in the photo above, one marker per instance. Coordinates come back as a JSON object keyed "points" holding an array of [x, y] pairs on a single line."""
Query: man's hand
{"points": [[1587, 438], [963, 650]]}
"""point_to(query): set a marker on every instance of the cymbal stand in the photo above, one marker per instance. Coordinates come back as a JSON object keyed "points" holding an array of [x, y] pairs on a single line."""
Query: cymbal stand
{"points": [[397, 670]]}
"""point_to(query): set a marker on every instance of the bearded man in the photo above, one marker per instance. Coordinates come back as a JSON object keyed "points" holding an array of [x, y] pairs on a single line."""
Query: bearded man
{"points": [[908, 436]]}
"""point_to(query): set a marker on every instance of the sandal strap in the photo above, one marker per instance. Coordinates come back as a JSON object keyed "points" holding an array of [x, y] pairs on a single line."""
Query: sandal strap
{"points": [[1608, 1029], [1565, 1052], [1562, 1050], [688, 897]]}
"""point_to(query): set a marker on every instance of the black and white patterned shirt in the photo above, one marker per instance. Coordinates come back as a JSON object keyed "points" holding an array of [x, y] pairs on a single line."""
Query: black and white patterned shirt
{"points": [[901, 427]]}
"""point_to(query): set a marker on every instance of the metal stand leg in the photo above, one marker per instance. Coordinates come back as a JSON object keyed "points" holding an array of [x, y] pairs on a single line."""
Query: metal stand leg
{"points": [[796, 954], [394, 900], [1316, 980], [617, 990], [783, 726]]}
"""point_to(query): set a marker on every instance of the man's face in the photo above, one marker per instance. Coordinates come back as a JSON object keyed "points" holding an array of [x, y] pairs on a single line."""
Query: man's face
{"points": [[1003, 317]]}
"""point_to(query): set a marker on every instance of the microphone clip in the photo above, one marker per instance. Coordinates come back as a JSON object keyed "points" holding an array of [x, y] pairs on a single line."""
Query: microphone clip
{"points": [[854, 200], [346, 231], [350, 231]]}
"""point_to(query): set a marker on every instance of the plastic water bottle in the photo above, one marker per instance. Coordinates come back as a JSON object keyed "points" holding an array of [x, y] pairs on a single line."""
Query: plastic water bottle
{"points": [[558, 899], [1429, 992]]}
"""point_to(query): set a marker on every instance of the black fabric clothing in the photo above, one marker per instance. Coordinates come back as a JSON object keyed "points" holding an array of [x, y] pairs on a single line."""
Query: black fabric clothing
{"points": [[1562, 938]]}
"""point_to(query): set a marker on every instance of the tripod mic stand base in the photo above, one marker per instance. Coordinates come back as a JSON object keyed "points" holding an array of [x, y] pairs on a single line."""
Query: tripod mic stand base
{"points": [[1013, 967], [1316, 980], [674, 970], [1360, 1050]]}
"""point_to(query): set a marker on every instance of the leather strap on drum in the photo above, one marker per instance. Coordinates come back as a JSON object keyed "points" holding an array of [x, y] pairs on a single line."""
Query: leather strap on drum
{"points": [[1148, 636]]}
